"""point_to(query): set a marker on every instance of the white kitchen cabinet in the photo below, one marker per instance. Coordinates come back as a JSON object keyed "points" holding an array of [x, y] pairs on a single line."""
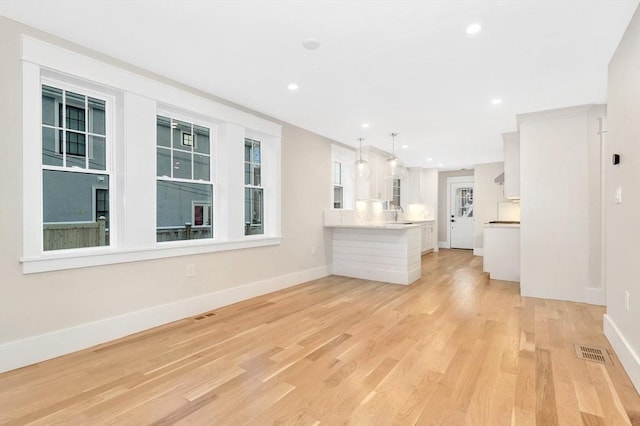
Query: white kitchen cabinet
{"points": [[378, 186], [428, 237], [501, 253], [412, 186], [511, 165]]}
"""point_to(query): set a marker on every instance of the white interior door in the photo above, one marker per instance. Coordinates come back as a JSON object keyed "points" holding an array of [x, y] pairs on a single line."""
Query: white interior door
{"points": [[461, 214]]}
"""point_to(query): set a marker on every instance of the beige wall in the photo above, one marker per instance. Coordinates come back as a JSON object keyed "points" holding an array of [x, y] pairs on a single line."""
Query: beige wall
{"points": [[622, 221], [443, 208], [486, 196], [35, 304]]}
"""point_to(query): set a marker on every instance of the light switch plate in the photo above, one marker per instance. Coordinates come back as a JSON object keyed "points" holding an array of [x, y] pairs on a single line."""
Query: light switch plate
{"points": [[619, 195]]}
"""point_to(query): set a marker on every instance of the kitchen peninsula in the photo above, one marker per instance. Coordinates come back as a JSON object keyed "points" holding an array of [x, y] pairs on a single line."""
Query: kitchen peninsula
{"points": [[388, 252]]}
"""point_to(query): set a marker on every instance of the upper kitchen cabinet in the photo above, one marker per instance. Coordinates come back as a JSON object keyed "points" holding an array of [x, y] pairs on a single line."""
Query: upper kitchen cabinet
{"points": [[378, 185], [511, 165]]}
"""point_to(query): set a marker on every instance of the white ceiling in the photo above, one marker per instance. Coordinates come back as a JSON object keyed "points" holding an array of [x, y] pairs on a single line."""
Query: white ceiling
{"points": [[402, 66]]}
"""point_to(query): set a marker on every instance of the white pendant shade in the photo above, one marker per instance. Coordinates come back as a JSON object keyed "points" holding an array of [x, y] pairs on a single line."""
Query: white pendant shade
{"points": [[362, 168], [396, 167]]}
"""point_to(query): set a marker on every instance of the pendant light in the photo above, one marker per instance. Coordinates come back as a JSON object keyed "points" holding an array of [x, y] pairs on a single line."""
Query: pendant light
{"points": [[396, 167], [362, 166]]}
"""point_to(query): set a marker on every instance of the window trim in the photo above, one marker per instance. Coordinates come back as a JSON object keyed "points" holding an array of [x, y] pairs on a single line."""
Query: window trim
{"points": [[194, 120], [130, 90], [110, 102]]}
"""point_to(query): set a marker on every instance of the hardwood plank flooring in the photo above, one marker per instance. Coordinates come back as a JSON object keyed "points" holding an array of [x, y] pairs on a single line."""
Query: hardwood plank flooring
{"points": [[453, 348]]}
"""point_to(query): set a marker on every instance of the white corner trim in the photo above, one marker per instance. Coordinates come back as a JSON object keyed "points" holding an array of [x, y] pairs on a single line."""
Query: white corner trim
{"points": [[595, 296], [478, 251], [629, 359], [35, 349], [443, 244]]}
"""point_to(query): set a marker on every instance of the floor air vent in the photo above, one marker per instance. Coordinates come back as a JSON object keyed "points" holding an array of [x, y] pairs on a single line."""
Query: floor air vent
{"points": [[591, 353], [203, 316]]}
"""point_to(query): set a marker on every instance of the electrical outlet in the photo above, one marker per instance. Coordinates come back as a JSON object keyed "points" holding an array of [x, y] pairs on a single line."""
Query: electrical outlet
{"points": [[627, 296], [191, 270]]}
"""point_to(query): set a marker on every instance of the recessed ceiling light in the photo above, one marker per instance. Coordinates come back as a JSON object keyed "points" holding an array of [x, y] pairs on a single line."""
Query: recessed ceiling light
{"points": [[365, 125], [405, 146], [293, 87], [429, 159], [310, 43], [474, 28], [496, 101]]}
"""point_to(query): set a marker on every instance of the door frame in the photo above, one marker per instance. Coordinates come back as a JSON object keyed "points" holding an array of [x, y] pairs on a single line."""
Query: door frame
{"points": [[455, 179]]}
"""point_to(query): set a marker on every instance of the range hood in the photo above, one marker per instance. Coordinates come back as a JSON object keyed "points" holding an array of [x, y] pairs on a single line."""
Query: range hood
{"points": [[499, 179]]}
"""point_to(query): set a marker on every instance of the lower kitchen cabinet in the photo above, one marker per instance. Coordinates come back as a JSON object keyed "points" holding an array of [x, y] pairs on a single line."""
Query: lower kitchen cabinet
{"points": [[428, 237], [501, 252]]}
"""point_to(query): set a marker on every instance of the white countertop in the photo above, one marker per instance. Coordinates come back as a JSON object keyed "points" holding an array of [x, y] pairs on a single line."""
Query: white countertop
{"points": [[502, 225], [395, 226]]}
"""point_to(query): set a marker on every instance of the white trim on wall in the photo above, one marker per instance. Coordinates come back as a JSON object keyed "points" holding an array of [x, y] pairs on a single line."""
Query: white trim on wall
{"points": [[39, 348], [628, 358]]}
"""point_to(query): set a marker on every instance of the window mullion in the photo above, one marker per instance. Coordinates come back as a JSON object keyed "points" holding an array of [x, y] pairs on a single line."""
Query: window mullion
{"points": [[63, 127], [86, 132]]}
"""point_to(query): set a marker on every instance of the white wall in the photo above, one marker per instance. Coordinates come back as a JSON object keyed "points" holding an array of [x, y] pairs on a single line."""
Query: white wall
{"points": [[556, 165], [486, 196], [47, 314], [622, 221]]}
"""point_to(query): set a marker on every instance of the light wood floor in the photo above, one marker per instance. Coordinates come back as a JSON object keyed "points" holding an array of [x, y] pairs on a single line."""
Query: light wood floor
{"points": [[452, 348]]}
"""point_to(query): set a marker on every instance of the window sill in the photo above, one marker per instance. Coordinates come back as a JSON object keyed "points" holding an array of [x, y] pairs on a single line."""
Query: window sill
{"points": [[72, 259]]}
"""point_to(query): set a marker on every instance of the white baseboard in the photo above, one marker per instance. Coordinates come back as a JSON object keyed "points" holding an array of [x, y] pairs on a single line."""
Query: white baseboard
{"points": [[595, 296], [629, 359], [35, 349], [443, 244], [478, 251]]}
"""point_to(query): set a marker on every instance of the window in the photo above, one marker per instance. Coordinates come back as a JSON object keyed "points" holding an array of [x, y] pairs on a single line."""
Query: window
{"points": [[396, 192], [253, 190], [184, 184], [88, 129], [338, 191], [74, 163]]}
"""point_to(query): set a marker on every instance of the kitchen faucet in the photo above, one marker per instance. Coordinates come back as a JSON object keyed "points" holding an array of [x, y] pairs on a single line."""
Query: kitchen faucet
{"points": [[396, 208]]}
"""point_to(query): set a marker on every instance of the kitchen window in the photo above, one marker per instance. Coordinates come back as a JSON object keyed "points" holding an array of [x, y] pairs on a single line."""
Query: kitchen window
{"points": [[396, 192], [338, 190]]}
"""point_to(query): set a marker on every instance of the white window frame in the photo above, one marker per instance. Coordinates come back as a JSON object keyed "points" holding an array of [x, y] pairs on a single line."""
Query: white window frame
{"points": [[195, 120], [346, 157], [87, 91], [252, 185], [137, 101]]}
